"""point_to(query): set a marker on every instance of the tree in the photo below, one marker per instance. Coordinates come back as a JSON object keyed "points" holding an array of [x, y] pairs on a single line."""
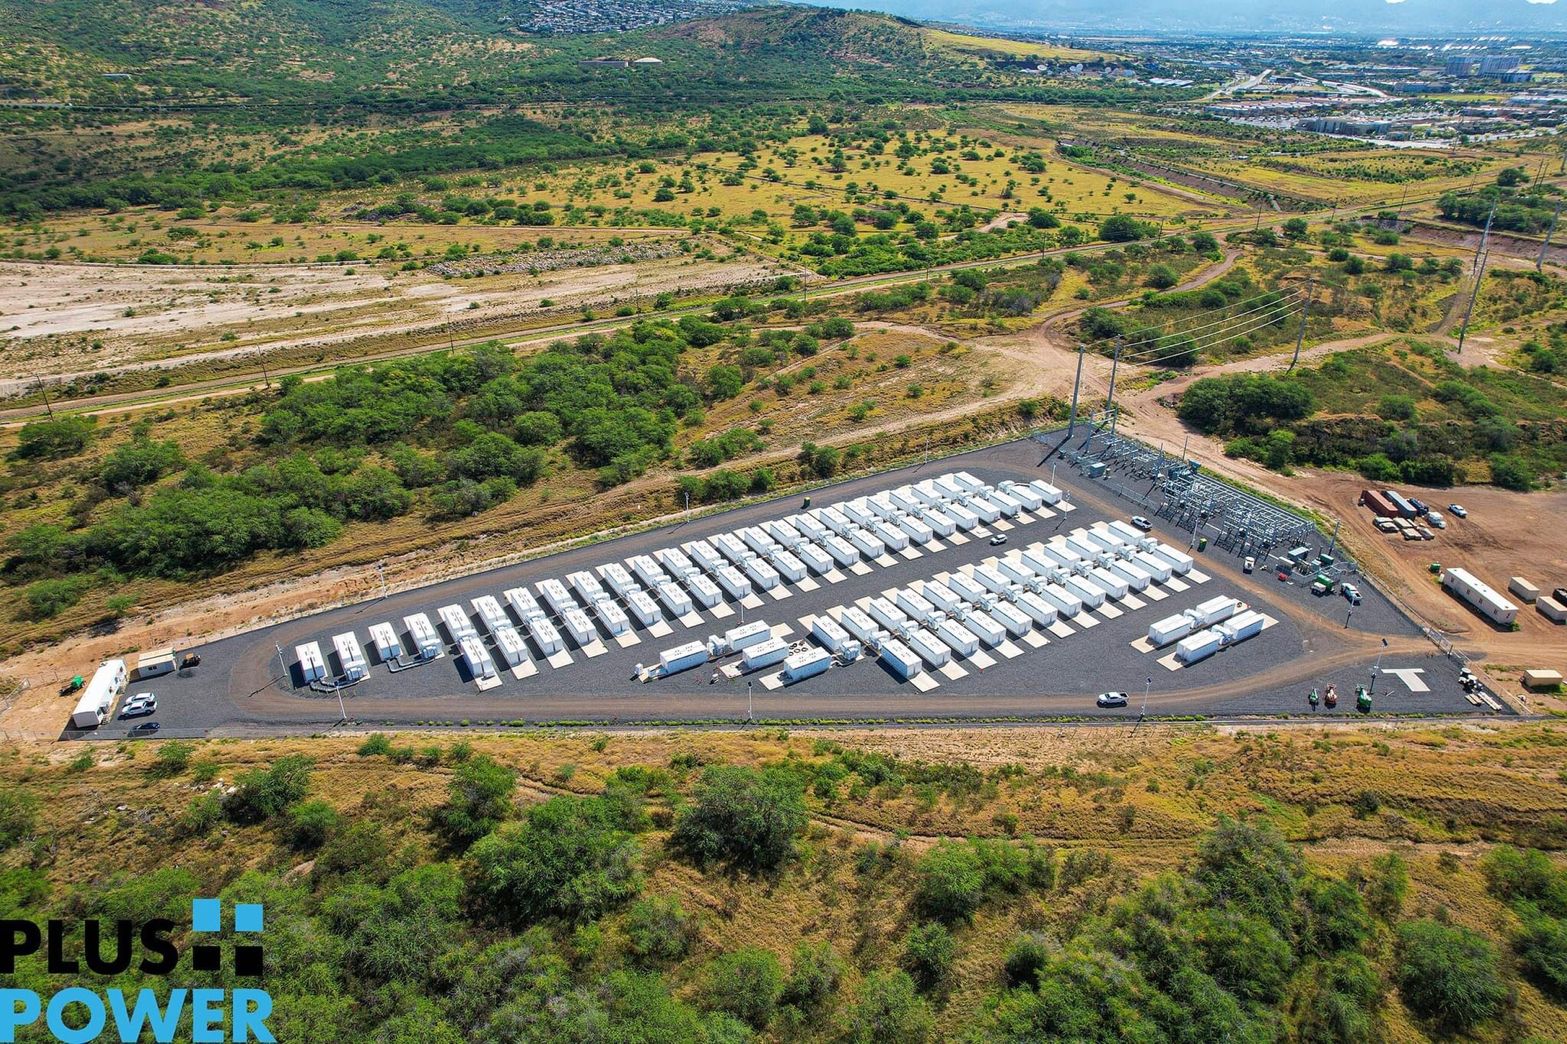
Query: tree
{"points": [[1449, 975], [310, 823], [927, 954], [742, 816], [951, 882], [1511, 177], [1296, 228], [58, 437], [724, 382], [889, 1011], [478, 800], [1122, 228], [813, 976], [746, 983], [261, 794], [658, 930]]}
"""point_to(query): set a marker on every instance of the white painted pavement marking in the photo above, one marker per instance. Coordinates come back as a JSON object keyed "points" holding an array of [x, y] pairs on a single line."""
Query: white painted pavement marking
{"points": [[1002, 524], [1175, 583], [1410, 676], [832, 576], [859, 569], [487, 683], [560, 659], [808, 584], [627, 639], [692, 619], [659, 629], [981, 660], [1169, 663], [1085, 619], [594, 648], [1009, 650], [721, 611], [956, 539], [1109, 612], [779, 593], [525, 669], [911, 553], [952, 672], [751, 601], [1035, 640], [924, 682], [1197, 576], [1143, 645], [1061, 630], [1153, 594], [935, 545]]}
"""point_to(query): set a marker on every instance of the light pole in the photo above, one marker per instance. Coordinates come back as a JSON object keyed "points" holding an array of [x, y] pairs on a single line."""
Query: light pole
{"points": [[1375, 669], [1147, 685], [340, 708], [748, 714], [283, 663]]}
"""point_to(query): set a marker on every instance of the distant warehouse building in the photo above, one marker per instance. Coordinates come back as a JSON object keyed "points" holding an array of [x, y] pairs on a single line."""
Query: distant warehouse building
{"points": [[1480, 595]]}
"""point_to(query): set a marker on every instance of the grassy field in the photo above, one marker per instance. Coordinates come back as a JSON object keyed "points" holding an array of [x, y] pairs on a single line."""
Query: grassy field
{"points": [[986, 46]]}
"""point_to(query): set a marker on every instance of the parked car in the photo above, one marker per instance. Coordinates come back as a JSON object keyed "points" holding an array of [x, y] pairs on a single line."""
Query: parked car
{"points": [[146, 728], [1111, 699], [139, 705], [1351, 593], [1436, 519], [1141, 523], [1459, 510], [998, 540], [1418, 504], [1249, 564]]}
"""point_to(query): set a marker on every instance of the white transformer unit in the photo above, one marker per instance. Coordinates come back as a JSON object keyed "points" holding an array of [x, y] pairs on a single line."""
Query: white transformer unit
{"points": [[1012, 618], [764, 654], [984, 627], [1179, 561], [524, 604], [1040, 610], [458, 625], [1242, 626], [350, 657], [1050, 494], [490, 611], [1063, 598], [477, 657], [929, 648], [546, 636], [900, 659], [384, 640], [842, 551], [861, 626], [815, 559], [941, 596], [312, 666], [1170, 629], [682, 658], [868, 544], [643, 608], [647, 570], [1029, 498], [829, 633], [556, 596], [704, 554], [587, 585], [427, 644], [612, 616], [1220, 607], [1480, 594], [788, 565], [958, 638], [895, 539], [915, 530], [886, 614], [1135, 576], [761, 574], [733, 582], [1091, 595], [1153, 565], [1115, 586], [674, 596], [913, 604], [965, 587], [1198, 646], [618, 579], [806, 664], [98, 695], [703, 591], [511, 645], [737, 639], [579, 627]]}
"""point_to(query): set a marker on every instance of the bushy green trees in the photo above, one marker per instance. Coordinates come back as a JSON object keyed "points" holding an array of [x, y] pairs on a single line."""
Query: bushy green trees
{"points": [[1449, 975], [743, 817], [479, 800]]}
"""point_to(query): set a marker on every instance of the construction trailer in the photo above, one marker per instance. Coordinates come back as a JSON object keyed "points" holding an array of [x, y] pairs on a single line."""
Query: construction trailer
{"points": [[98, 695], [481, 666], [427, 643], [155, 663], [1551, 609], [312, 665], [350, 657], [1523, 589], [384, 640], [1199, 646], [682, 658], [1480, 596], [806, 664]]}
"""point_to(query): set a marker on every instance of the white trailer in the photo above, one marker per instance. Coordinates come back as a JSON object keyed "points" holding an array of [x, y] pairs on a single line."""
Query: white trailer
{"points": [[587, 585], [384, 640], [350, 657], [979, 507], [579, 627], [868, 544], [511, 645], [675, 561], [965, 587], [1058, 550], [948, 487], [1048, 493], [1086, 548], [764, 654], [882, 505], [312, 665], [761, 574], [1092, 595], [524, 604], [704, 554], [733, 582], [992, 580], [703, 591], [1107, 542], [427, 644], [1037, 609], [1135, 576], [886, 614], [612, 616], [1523, 589], [843, 552], [788, 565], [481, 666], [1115, 586], [1029, 498], [739, 638], [941, 596], [1480, 595], [806, 664], [1170, 629], [829, 633], [905, 500], [1210, 612], [1156, 567], [1198, 646], [900, 659], [895, 539], [682, 658], [1180, 562], [808, 525], [490, 611], [1012, 618], [861, 626], [911, 603], [546, 636], [928, 647], [642, 606], [1241, 626], [648, 571], [961, 516], [815, 559], [556, 596], [98, 695], [618, 579], [1067, 601], [458, 625], [675, 597]]}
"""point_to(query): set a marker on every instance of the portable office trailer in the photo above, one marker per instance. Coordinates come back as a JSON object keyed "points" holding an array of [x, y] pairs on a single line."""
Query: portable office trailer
{"points": [[682, 658], [961, 516], [1115, 586], [734, 582], [1523, 589], [758, 541], [938, 521], [807, 663], [1198, 646], [941, 596], [836, 521], [1091, 595], [915, 529], [350, 657], [1012, 618], [1180, 562], [1155, 566], [675, 561], [556, 596], [893, 538], [612, 616], [911, 603], [579, 627], [1170, 629], [992, 580], [427, 644], [843, 552], [979, 507], [982, 626], [788, 565], [1135, 575], [704, 555], [1241, 626], [1037, 608], [886, 614], [738, 638], [829, 633], [928, 647], [477, 657], [1049, 493], [154, 663], [546, 636], [1029, 498], [312, 665], [511, 645], [675, 597], [808, 525], [815, 559], [648, 571], [965, 480], [900, 659], [1210, 612], [384, 640], [524, 604], [490, 611], [782, 532], [618, 579], [860, 625], [587, 585], [1401, 506], [98, 695], [857, 511], [703, 591], [868, 544], [1010, 506], [1480, 595], [643, 607], [965, 587], [458, 625], [761, 574], [1551, 609]]}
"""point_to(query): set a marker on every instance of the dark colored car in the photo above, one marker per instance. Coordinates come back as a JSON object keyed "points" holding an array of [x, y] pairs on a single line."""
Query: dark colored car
{"points": [[146, 728]]}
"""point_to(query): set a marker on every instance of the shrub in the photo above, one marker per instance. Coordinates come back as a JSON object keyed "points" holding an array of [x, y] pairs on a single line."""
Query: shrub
{"points": [[171, 759], [813, 976], [658, 930], [310, 823], [1025, 959], [1449, 975], [889, 1011], [54, 438], [951, 882], [746, 983], [261, 794], [742, 816], [18, 816], [927, 954], [478, 800]]}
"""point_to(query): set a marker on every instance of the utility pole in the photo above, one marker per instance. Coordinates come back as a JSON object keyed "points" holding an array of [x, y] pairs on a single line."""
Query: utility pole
{"points": [[1071, 422], [1540, 261], [1115, 363], [43, 386], [1305, 311], [1479, 275], [748, 714]]}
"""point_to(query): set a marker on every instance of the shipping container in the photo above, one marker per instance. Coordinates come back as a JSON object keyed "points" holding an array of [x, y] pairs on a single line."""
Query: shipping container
{"points": [[511, 645], [1170, 629], [829, 633], [1210, 612], [490, 611], [312, 665], [806, 664], [1480, 595], [1107, 542], [643, 608], [742, 636], [734, 582], [948, 488], [893, 538], [915, 530], [868, 544], [703, 591], [1085, 547], [579, 627], [556, 596], [98, 695], [1038, 608], [941, 596], [1024, 495], [1131, 535], [965, 587], [524, 604], [764, 654], [612, 616], [546, 636], [916, 606], [682, 658], [587, 586], [350, 657], [886, 614], [788, 565], [927, 493], [1155, 566], [674, 596], [384, 640], [882, 506], [928, 647], [1180, 562], [1241, 626], [1378, 503], [427, 644], [1050, 493], [860, 625], [618, 579], [761, 574], [480, 664], [732, 548], [704, 554], [1523, 589], [1091, 595], [1012, 618], [984, 627], [1115, 586], [815, 559], [1057, 549], [1401, 505], [843, 552], [992, 580], [1551, 609], [900, 659], [1198, 646], [458, 626], [1135, 575]]}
